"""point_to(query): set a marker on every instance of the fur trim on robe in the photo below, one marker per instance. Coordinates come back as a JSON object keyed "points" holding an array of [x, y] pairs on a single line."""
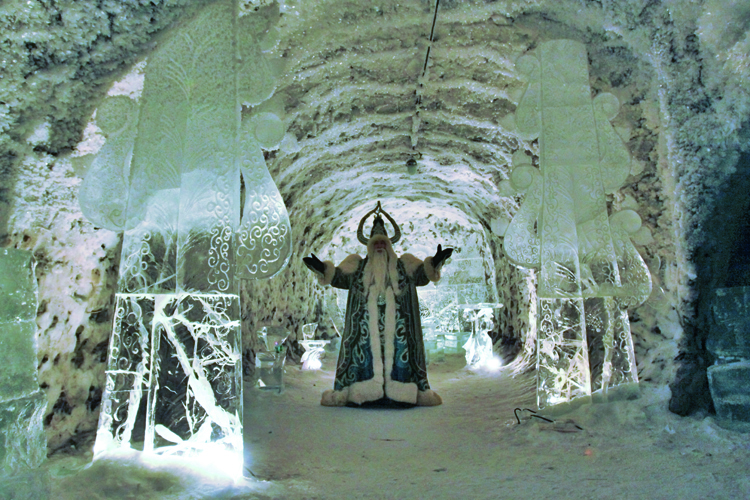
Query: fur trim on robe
{"points": [[347, 266], [411, 263], [384, 380], [431, 271]]}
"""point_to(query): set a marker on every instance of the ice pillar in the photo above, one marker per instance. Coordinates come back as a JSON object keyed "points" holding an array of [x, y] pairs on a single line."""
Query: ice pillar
{"points": [[589, 270], [23, 444], [174, 375]]}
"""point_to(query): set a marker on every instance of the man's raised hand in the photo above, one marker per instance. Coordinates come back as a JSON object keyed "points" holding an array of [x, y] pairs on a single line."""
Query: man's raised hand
{"points": [[440, 256], [314, 264]]}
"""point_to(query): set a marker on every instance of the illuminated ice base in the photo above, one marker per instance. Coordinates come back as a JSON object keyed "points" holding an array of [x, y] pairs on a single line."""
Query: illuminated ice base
{"points": [[315, 352], [562, 353], [584, 348], [174, 378]]}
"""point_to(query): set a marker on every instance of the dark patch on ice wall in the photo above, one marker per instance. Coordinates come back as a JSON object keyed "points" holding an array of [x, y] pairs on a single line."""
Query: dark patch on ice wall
{"points": [[722, 261]]}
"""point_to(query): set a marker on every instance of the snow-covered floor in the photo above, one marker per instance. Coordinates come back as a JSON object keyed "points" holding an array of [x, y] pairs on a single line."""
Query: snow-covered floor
{"points": [[470, 447]]}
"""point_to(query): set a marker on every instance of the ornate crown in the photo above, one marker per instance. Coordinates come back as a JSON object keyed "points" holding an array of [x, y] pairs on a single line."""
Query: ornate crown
{"points": [[378, 226]]}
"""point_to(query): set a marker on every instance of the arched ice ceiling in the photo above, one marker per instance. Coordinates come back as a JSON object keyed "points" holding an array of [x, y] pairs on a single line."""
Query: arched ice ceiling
{"points": [[359, 102]]}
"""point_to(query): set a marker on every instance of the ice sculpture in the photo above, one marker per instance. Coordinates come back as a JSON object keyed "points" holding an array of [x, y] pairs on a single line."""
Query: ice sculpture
{"points": [[271, 358], [478, 347], [465, 283], [308, 331], [177, 164], [23, 443], [314, 349], [590, 272]]}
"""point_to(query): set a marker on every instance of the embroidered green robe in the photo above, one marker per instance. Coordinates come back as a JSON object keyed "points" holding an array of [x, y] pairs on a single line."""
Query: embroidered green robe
{"points": [[382, 350]]}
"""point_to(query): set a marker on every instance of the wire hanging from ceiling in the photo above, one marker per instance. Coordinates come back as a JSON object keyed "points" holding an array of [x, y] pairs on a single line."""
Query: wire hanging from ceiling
{"points": [[416, 120], [429, 49]]}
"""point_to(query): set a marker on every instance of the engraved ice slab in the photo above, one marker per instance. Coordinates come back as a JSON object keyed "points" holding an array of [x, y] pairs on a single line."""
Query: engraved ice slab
{"points": [[104, 191], [186, 160], [18, 373], [23, 444], [265, 244], [564, 228], [18, 286], [174, 376]]}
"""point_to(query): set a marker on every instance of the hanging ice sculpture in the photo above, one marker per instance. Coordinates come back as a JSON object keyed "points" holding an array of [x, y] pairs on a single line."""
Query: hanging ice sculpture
{"points": [[170, 177], [23, 443], [590, 272]]}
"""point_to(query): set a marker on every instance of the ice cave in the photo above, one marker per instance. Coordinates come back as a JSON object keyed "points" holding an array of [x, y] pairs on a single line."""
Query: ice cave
{"points": [[209, 207]]}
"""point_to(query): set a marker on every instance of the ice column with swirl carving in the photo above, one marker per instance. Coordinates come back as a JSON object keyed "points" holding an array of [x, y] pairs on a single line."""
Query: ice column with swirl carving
{"points": [[590, 272], [174, 369]]}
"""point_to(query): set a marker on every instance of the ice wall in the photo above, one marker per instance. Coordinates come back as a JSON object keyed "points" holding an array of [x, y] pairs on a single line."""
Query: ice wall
{"points": [[23, 444]]}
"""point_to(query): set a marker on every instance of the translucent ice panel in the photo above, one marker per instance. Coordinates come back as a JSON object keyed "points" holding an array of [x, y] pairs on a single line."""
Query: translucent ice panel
{"points": [[104, 191], [729, 390], [590, 272], [18, 286], [149, 249], [562, 352], [635, 278], [129, 369], [522, 241], [270, 370], [257, 74], [18, 374], [174, 376], [730, 331], [23, 443], [199, 367], [610, 345], [265, 244], [186, 149]]}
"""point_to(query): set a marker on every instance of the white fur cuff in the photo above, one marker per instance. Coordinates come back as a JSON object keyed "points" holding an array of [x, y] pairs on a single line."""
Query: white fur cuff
{"points": [[432, 273], [328, 273], [429, 398]]}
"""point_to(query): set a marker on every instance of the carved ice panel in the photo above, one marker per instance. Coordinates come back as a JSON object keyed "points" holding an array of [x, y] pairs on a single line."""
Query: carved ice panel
{"points": [[590, 272]]}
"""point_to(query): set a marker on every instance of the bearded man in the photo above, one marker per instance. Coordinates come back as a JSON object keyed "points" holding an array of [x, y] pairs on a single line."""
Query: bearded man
{"points": [[382, 359]]}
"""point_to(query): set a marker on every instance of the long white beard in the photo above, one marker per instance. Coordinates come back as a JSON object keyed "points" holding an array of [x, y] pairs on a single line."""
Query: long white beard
{"points": [[380, 273]]}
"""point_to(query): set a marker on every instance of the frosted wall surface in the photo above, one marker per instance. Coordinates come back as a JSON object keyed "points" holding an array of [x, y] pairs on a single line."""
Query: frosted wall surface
{"points": [[22, 405], [590, 272]]}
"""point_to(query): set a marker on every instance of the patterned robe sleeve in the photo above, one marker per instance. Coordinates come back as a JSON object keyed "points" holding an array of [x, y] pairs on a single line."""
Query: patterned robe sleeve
{"points": [[420, 272]]}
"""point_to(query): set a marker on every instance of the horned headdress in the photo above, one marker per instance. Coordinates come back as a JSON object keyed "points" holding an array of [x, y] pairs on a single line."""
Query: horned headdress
{"points": [[378, 226]]}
